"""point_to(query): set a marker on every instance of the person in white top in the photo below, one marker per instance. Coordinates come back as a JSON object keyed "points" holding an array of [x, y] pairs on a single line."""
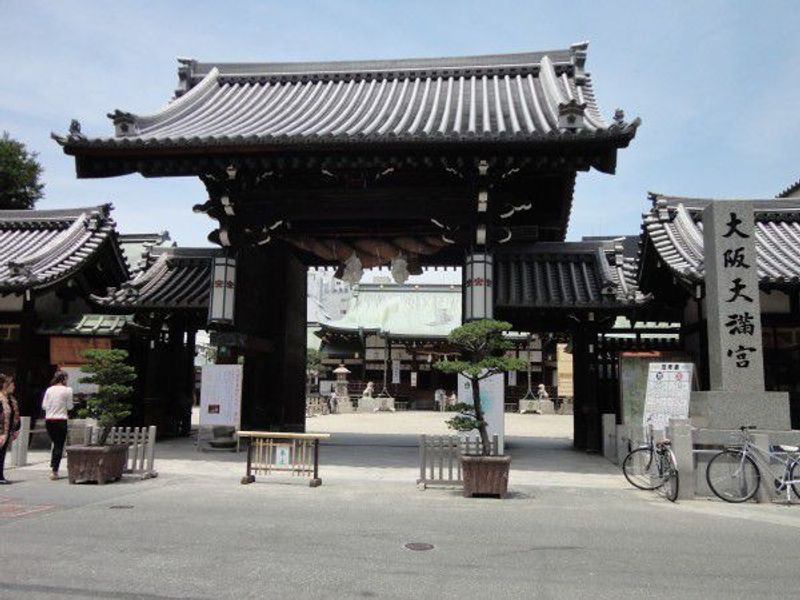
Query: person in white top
{"points": [[56, 404]]}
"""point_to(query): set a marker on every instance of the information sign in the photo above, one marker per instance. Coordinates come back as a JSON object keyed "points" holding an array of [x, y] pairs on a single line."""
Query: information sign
{"points": [[669, 386], [221, 395], [492, 402]]}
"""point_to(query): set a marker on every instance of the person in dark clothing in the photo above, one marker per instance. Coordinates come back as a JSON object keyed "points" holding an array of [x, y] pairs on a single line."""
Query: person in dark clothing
{"points": [[9, 420]]}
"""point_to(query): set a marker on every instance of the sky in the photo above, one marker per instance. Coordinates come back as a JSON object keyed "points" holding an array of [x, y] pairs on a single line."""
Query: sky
{"points": [[716, 84]]}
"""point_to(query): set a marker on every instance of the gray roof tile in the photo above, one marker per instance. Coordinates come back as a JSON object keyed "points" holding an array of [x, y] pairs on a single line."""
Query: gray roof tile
{"points": [[39, 248], [675, 229], [175, 278], [521, 97]]}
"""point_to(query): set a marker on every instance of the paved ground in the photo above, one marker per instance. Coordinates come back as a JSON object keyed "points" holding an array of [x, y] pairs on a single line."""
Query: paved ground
{"points": [[571, 529]]}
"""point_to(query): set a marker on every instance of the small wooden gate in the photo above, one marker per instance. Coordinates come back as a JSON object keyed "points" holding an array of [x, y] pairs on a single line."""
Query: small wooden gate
{"points": [[274, 451], [440, 457]]}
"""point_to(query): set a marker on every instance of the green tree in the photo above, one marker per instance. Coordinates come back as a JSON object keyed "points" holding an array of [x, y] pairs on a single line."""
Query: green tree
{"points": [[108, 370], [483, 349], [20, 187]]}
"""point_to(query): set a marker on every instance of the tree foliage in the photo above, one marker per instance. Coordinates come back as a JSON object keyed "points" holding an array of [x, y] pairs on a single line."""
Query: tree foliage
{"points": [[20, 171], [108, 370], [483, 347]]}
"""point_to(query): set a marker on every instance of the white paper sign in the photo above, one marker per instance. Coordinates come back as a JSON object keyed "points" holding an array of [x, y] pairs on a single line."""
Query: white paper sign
{"points": [[413, 379], [221, 395], [395, 370], [669, 386], [492, 402], [512, 378], [75, 375], [283, 455]]}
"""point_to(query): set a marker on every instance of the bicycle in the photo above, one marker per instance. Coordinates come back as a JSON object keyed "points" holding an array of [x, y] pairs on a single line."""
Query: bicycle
{"points": [[653, 467], [734, 475]]}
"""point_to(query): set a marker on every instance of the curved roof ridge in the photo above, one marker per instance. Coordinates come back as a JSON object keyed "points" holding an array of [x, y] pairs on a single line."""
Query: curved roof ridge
{"points": [[197, 69]]}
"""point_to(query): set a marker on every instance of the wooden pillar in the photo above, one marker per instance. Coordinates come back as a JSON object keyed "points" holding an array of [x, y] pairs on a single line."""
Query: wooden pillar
{"points": [[271, 309], [586, 418]]}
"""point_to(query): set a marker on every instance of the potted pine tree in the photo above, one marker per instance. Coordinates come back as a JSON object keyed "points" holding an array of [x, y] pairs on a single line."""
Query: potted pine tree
{"points": [[483, 354], [108, 370]]}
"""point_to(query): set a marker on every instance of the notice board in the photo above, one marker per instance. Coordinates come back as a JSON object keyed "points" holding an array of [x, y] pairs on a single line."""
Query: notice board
{"points": [[492, 402], [221, 395], [669, 386]]}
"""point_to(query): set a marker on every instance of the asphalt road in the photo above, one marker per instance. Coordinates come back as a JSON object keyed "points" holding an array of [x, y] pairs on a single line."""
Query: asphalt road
{"points": [[197, 533]]}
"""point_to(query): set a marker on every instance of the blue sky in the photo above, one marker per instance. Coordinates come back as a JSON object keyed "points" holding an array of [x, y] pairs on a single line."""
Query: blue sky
{"points": [[716, 84]]}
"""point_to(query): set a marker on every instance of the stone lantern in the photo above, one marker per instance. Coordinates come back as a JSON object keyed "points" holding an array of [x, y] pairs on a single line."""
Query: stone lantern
{"points": [[340, 387]]}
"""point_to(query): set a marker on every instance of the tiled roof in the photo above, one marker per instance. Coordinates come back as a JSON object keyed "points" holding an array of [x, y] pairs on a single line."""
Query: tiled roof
{"points": [[539, 96], [39, 248], [674, 228], [176, 278], [791, 192], [95, 325], [566, 274], [136, 246]]}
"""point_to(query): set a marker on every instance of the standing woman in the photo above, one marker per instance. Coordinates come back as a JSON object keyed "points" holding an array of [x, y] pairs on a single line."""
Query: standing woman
{"points": [[56, 405], [9, 420]]}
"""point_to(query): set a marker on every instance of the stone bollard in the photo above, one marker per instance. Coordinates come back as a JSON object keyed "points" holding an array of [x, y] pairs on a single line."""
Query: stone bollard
{"points": [[19, 447], [766, 490], [679, 433], [610, 436]]}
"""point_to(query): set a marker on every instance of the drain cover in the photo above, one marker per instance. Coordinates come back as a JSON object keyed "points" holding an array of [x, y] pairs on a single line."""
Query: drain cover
{"points": [[418, 546], [121, 506]]}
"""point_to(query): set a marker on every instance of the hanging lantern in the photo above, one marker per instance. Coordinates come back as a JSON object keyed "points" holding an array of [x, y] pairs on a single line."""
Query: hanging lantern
{"points": [[400, 269], [478, 274], [353, 270], [223, 291]]}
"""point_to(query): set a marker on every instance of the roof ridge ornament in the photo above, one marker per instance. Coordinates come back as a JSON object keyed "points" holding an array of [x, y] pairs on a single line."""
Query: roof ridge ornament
{"points": [[579, 52], [571, 115], [124, 123], [186, 71]]}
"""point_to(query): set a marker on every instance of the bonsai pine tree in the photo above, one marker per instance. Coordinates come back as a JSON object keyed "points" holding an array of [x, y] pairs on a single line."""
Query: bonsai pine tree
{"points": [[108, 370], [483, 349]]}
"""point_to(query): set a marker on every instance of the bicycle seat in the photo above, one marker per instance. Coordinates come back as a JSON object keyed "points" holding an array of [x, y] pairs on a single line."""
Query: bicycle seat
{"points": [[664, 443]]}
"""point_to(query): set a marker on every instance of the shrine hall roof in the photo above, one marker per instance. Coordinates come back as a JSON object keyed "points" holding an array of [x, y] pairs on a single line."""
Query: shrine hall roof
{"points": [[527, 97], [39, 248], [174, 278], [588, 274], [674, 229]]}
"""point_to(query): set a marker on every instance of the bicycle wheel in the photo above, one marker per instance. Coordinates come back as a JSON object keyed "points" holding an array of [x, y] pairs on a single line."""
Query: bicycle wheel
{"points": [[733, 476], [671, 480], [794, 475], [641, 469]]}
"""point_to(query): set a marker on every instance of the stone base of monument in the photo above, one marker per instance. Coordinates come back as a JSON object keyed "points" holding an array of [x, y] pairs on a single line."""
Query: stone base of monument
{"points": [[366, 404], [344, 406], [731, 410], [528, 406]]}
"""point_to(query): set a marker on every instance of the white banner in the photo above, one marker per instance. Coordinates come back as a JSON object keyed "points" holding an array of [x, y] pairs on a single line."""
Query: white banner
{"points": [[221, 395], [669, 386], [492, 402], [512, 378], [413, 379], [395, 371]]}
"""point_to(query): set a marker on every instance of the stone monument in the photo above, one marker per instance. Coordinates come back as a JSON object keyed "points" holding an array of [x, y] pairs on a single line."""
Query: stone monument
{"points": [[370, 403], [340, 387], [733, 312]]}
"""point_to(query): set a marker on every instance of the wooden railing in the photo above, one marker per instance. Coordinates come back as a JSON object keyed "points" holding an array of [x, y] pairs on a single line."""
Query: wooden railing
{"points": [[141, 442], [275, 451], [440, 457]]}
